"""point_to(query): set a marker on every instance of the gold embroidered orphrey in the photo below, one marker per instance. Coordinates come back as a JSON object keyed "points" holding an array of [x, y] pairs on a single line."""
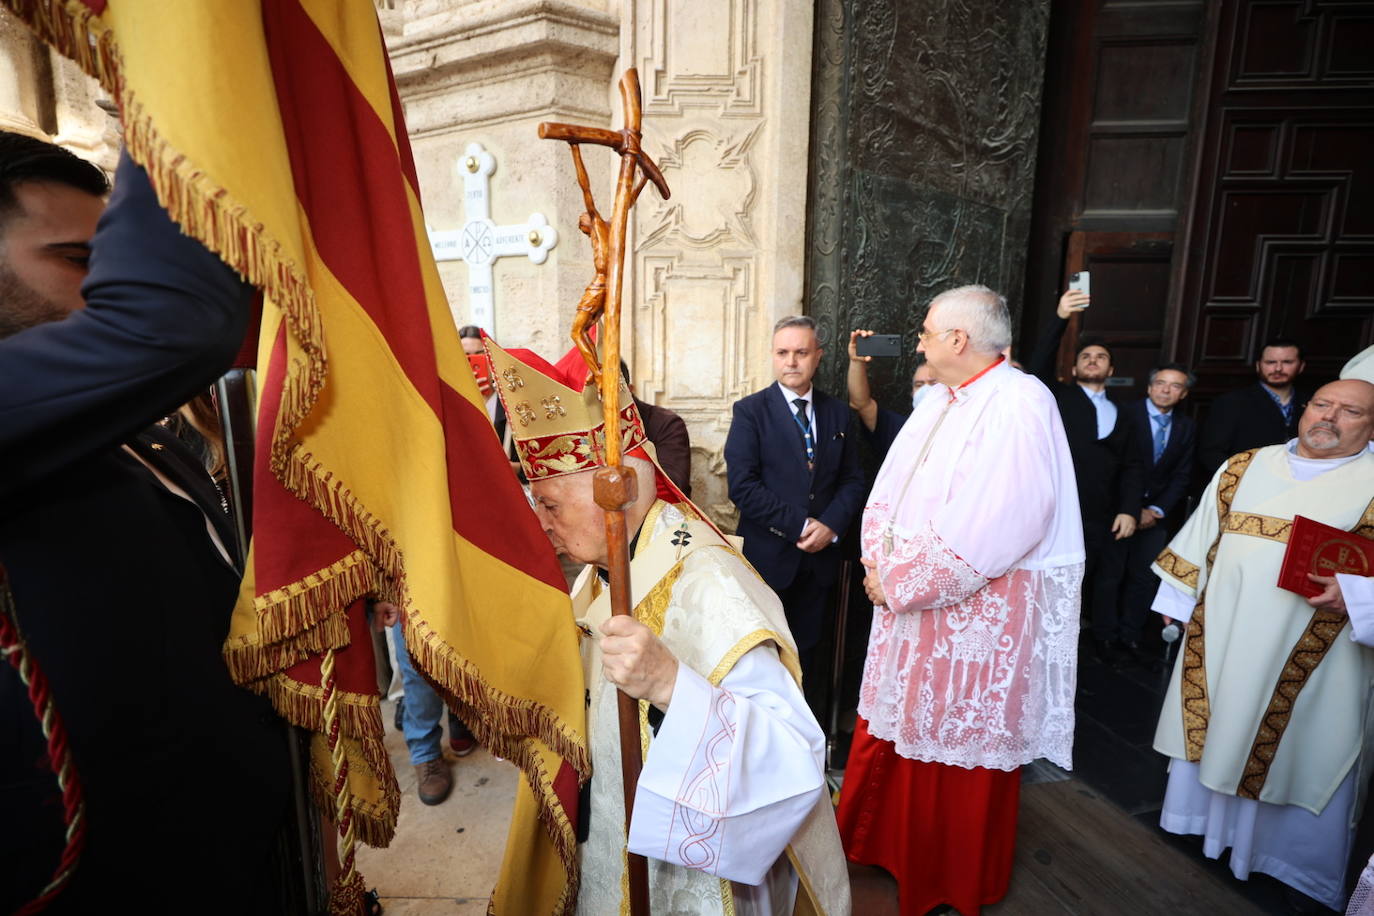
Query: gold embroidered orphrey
{"points": [[1196, 709], [1311, 647]]}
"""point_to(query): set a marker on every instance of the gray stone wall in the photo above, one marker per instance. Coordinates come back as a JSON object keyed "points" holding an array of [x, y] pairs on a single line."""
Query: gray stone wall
{"points": [[925, 114]]}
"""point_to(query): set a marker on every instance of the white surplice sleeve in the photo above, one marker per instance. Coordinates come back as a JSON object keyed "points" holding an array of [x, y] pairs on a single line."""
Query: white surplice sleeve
{"points": [[1358, 592], [732, 773], [1173, 602]]}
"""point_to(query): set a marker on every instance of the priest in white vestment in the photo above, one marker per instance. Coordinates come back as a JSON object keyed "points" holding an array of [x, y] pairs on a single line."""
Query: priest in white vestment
{"points": [[731, 807], [974, 545], [1265, 716]]}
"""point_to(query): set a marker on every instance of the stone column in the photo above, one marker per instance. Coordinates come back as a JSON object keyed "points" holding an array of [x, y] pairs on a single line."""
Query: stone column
{"points": [[83, 126], [44, 95], [726, 113], [489, 73], [21, 79]]}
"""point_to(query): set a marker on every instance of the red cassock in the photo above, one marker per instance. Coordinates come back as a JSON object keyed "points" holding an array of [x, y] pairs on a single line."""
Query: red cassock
{"points": [[947, 834]]}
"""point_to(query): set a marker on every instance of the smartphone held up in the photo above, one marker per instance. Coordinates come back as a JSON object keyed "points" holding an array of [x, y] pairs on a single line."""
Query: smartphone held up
{"points": [[879, 345], [1079, 283]]}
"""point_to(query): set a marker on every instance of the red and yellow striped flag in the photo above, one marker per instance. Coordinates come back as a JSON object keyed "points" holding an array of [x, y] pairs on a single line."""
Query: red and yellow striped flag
{"points": [[272, 132]]}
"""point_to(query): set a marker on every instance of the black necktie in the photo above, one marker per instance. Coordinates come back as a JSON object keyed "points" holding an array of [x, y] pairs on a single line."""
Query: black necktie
{"points": [[805, 425]]}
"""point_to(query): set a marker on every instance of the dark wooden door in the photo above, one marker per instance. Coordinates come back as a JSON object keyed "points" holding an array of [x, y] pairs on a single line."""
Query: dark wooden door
{"points": [[1280, 239], [1117, 136]]}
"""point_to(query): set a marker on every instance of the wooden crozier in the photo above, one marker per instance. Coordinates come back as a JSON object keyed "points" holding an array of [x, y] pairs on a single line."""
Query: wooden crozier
{"points": [[615, 485]]}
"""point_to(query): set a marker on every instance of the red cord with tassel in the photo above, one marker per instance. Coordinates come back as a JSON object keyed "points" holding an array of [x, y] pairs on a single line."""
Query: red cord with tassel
{"points": [[14, 651]]}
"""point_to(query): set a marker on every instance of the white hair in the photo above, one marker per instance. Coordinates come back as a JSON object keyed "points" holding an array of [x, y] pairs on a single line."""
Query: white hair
{"points": [[979, 312]]}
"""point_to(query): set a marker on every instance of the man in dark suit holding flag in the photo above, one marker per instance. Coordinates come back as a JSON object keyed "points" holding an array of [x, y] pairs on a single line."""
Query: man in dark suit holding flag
{"points": [[794, 475]]}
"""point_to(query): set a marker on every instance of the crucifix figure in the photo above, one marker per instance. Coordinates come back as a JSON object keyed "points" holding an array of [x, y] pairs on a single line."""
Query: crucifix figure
{"points": [[626, 142], [593, 302], [480, 242]]}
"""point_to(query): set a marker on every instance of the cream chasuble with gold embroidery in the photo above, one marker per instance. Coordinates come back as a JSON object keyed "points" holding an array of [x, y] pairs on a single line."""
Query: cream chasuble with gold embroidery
{"points": [[1268, 697], [732, 794]]}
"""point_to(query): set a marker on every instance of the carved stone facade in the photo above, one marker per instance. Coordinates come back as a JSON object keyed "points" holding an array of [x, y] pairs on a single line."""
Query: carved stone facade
{"points": [[924, 141], [45, 95], [489, 73], [725, 114]]}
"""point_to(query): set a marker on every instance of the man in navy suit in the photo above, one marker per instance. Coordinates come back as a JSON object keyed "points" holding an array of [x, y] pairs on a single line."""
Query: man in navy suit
{"points": [[1166, 442], [794, 476]]}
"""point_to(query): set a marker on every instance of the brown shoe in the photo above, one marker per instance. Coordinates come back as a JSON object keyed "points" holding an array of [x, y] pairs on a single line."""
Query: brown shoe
{"points": [[434, 781]]}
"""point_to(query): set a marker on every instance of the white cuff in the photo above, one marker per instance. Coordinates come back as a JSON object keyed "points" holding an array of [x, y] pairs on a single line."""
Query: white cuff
{"points": [[1358, 592], [1172, 601]]}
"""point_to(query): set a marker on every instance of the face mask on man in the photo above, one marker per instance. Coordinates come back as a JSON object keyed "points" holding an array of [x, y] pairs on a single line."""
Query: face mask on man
{"points": [[919, 394]]}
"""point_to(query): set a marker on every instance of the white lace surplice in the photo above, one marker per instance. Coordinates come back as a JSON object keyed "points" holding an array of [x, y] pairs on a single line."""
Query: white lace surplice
{"points": [[973, 662]]}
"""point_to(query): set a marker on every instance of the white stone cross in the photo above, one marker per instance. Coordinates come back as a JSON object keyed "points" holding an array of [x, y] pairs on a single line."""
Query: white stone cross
{"points": [[481, 241]]}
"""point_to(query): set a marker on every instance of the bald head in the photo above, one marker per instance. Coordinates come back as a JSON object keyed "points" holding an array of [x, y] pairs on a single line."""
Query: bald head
{"points": [[1338, 421]]}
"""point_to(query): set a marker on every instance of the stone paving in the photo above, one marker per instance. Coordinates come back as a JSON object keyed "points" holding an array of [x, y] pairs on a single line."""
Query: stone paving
{"points": [[445, 858]]}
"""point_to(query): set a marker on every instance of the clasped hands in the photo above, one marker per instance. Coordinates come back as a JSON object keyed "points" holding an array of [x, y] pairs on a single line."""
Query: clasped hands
{"points": [[873, 585], [816, 536]]}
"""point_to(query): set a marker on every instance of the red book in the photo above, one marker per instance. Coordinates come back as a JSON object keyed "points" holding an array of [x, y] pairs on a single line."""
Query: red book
{"points": [[1324, 551]]}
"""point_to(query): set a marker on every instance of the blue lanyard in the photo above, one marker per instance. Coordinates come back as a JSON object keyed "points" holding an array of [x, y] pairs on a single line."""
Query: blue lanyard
{"points": [[806, 436]]}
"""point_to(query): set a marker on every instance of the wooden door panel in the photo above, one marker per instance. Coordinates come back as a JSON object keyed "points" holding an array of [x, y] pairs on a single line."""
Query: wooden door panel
{"points": [[1281, 229]]}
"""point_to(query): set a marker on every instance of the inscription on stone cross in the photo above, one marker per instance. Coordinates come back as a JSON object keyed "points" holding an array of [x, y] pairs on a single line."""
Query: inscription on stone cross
{"points": [[480, 241]]}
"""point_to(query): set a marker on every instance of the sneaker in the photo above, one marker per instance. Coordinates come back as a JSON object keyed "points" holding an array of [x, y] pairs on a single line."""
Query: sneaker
{"points": [[433, 781], [462, 745]]}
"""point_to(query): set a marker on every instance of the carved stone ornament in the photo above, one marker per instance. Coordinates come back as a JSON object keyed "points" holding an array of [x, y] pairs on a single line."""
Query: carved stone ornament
{"points": [[723, 185], [480, 241]]}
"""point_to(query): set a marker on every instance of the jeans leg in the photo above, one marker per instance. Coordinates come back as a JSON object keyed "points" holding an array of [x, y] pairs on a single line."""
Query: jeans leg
{"points": [[422, 722]]}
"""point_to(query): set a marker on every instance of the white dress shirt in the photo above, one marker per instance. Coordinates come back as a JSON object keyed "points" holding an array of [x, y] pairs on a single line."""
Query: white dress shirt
{"points": [[1106, 410]]}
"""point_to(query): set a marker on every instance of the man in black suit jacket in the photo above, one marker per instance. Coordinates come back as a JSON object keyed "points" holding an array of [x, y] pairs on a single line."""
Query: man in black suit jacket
{"points": [[119, 589], [794, 476], [668, 432], [1167, 441], [1264, 413], [1107, 464]]}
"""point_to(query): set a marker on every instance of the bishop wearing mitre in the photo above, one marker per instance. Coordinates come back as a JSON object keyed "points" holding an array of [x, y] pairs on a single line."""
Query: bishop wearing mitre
{"points": [[731, 808]]}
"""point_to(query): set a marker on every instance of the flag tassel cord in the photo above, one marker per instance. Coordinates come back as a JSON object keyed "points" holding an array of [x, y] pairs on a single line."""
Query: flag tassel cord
{"points": [[14, 650]]}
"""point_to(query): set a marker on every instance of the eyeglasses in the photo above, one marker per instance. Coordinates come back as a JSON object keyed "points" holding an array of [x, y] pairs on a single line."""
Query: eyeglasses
{"points": [[925, 336], [1170, 386]]}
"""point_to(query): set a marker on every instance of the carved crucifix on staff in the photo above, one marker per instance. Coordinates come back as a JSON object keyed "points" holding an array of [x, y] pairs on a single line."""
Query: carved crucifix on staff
{"points": [[615, 485]]}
